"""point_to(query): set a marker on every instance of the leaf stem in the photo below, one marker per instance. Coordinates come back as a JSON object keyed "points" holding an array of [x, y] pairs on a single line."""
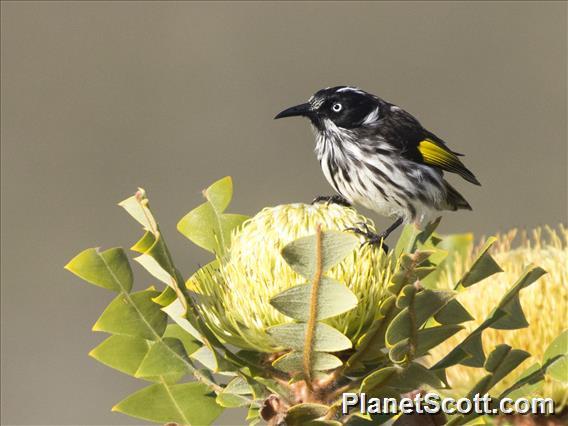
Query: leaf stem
{"points": [[311, 324]]}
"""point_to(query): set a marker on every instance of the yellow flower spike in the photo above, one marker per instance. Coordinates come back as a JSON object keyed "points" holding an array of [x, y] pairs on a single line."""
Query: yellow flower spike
{"points": [[545, 304], [236, 295]]}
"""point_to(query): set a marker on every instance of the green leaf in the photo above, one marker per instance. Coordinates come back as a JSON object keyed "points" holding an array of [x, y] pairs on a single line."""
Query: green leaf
{"points": [[427, 339], [527, 383], [300, 254], [508, 314], [556, 358], [292, 362], [190, 343], [414, 376], [167, 296], [453, 313], [137, 207], [326, 338], [300, 414], [232, 395], [426, 304], [207, 225], [165, 357], [483, 266], [186, 403], [133, 315], [108, 269], [212, 361], [177, 312], [334, 298], [377, 379], [220, 193], [123, 353], [231, 400]]}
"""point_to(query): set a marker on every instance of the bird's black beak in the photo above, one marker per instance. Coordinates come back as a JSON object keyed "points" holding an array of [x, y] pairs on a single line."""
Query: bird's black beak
{"points": [[295, 111]]}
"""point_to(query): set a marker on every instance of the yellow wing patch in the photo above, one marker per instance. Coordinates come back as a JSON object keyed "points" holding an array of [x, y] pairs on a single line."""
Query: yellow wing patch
{"points": [[438, 155]]}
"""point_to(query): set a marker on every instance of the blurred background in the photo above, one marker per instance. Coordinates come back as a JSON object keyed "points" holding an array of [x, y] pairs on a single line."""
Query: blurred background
{"points": [[99, 98]]}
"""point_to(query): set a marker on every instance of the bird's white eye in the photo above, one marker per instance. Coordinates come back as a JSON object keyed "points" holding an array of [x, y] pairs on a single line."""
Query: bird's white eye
{"points": [[336, 107]]}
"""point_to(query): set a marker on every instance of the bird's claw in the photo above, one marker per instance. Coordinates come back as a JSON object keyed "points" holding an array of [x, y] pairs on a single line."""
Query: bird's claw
{"points": [[371, 238], [331, 199]]}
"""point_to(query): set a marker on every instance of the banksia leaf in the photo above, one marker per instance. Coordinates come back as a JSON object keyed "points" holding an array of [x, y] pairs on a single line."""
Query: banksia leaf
{"points": [[186, 403], [333, 299], [207, 225], [108, 269], [299, 254], [292, 362], [133, 315], [123, 353], [556, 358], [426, 304], [301, 414], [326, 338], [484, 266], [165, 357]]}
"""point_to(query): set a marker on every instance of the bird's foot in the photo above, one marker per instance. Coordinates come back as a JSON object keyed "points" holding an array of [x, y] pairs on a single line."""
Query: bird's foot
{"points": [[371, 238], [332, 199]]}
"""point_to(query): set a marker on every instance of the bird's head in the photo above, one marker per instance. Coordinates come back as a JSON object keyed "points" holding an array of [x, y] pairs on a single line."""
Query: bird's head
{"points": [[342, 106]]}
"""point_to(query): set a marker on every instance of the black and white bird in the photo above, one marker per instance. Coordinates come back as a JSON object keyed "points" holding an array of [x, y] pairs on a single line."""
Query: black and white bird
{"points": [[377, 155]]}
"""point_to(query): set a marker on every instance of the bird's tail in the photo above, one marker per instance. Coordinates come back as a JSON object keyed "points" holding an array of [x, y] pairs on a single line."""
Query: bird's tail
{"points": [[454, 200]]}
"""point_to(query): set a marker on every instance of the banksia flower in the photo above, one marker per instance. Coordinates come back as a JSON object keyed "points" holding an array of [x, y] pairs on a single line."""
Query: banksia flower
{"points": [[235, 293], [545, 304]]}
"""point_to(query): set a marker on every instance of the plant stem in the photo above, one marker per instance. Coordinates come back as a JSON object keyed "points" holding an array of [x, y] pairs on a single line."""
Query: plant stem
{"points": [[311, 324]]}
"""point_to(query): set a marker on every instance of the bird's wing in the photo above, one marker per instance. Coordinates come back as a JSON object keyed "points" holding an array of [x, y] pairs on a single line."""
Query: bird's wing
{"points": [[437, 154]]}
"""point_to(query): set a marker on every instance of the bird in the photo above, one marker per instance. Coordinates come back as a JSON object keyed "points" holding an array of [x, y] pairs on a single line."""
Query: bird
{"points": [[379, 156]]}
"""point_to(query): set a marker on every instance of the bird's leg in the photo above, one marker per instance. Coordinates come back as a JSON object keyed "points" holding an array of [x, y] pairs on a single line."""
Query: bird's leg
{"points": [[374, 238], [332, 199]]}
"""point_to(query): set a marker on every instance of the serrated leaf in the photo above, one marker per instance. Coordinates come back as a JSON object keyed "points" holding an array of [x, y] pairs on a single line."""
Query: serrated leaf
{"points": [[220, 193], [137, 207], [301, 253], [231, 400], [502, 315], [207, 225], [427, 339], [292, 362], [414, 376], [300, 414], [233, 394], [186, 403], [176, 311], [133, 315], [123, 353], [469, 352], [556, 358], [426, 304], [190, 343], [326, 338], [109, 269], [165, 357], [483, 266], [528, 383], [377, 379], [453, 313], [334, 298], [514, 318], [166, 297], [212, 361]]}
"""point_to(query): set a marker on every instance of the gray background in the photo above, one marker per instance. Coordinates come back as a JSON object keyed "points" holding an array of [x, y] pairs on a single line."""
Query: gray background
{"points": [[99, 98]]}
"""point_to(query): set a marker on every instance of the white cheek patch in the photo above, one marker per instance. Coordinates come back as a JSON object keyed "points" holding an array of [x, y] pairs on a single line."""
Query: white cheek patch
{"points": [[372, 117], [315, 103]]}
